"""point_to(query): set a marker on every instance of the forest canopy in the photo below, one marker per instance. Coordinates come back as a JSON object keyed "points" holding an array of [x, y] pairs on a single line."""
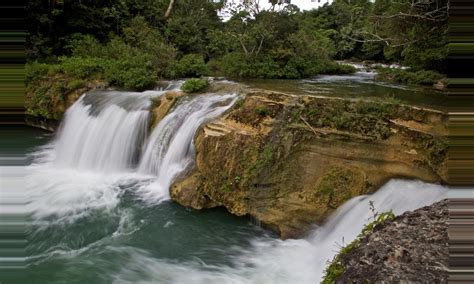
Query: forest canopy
{"points": [[131, 43]]}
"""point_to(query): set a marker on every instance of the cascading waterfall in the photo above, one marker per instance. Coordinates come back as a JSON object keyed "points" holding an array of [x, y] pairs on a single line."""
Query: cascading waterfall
{"points": [[170, 149], [103, 142], [103, 159], [104, 131]]}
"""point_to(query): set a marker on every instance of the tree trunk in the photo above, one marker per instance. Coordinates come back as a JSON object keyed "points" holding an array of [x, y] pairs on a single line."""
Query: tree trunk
{"points": [[169, 10]]}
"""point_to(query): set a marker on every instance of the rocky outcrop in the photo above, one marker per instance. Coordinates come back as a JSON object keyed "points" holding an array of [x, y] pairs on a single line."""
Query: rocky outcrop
{"points": [[47, 100], [412, 248], [162, 105], [290, 161]]}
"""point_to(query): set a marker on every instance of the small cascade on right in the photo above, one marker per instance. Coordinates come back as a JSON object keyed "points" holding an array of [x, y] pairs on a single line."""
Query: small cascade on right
{"points": [[304, 261]]}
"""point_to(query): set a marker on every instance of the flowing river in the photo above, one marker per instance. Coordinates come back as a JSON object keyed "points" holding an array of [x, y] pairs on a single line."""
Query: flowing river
{"points": [[100, 212]]}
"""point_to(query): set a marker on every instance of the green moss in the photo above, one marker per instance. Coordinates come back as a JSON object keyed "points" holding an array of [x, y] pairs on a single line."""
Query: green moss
{"points": [[335, 185], [265, 158], [262, 110], [363, 117], [239, 103], [225, 187], [436, 148], [332, 272]]}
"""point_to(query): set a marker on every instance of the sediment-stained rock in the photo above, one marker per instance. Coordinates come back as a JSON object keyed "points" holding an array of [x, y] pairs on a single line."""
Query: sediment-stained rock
{"points": [[289, 161]]}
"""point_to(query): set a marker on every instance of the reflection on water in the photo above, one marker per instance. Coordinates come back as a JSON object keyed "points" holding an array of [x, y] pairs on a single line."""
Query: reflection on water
{"points": [[358, 85]]}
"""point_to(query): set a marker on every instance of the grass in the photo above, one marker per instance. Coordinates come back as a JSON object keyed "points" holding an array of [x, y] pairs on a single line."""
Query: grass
{"points": [[363, 117]]}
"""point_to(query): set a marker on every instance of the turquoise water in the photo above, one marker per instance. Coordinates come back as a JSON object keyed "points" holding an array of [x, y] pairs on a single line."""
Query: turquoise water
{"points": [[92, 226], [98, 246]]}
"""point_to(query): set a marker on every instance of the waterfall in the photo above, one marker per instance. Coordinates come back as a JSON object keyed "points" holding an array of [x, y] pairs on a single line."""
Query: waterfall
{"points": [[104, 163], [170, 150], [104, 131], [103, 142]]}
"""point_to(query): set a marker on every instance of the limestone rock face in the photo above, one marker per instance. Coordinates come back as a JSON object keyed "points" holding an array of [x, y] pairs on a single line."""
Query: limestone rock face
{"points": [[289, 161], [412, 248], [162, 105]]}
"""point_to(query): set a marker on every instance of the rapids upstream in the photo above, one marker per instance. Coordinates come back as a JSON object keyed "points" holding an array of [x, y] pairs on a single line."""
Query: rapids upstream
{"points": [[100, 209]]}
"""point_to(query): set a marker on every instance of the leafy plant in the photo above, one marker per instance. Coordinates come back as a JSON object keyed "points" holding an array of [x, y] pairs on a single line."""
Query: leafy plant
{"points": [[190, 65], [194, 85]]}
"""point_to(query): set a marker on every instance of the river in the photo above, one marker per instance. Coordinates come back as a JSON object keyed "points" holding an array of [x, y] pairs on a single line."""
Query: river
{"points": [[98, 206]]}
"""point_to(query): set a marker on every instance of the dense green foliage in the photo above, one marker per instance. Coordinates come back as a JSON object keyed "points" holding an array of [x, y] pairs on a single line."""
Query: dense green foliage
{"points": [[131, 43], [194, 85], [420, 77]]}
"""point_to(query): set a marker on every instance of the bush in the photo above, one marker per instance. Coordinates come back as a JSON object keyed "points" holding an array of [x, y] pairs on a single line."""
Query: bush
{"points": [[80, 67], [334, 68], [422, 77], [190, 65], [135, 78], [280, 64], [134, 73], [194, 85], [35, 71]]}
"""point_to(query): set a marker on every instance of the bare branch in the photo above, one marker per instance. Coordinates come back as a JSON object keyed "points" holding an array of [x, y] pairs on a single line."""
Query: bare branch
{"points": [[169, 10]]}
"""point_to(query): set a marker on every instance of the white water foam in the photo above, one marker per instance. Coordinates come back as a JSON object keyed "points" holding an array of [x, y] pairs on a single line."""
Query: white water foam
{"points": [[103, 132], [62, 185], [290, 261], [170, 149], [100, 144]]}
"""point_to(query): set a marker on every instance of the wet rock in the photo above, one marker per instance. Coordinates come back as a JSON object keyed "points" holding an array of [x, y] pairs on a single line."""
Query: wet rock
{"points": [[412, 248], [289, 161]]}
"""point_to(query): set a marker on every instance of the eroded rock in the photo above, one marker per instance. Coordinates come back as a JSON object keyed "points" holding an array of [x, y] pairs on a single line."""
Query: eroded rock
{"points": [[412, 248], [289, 161]]}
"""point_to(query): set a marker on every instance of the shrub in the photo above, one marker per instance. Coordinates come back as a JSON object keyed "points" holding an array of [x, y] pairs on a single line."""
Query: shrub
{"points": [[194, 85], [35, 71], [134, 78], [337, 68], [75, 84], [80, 67], [422, 77], [190, 65], [131, 73]]}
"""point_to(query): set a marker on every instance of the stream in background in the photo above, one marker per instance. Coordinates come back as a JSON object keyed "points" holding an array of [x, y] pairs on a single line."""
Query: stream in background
{"points": [[361, 84]]}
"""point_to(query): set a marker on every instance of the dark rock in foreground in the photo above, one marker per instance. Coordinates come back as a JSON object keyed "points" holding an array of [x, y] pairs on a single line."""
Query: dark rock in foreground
{"points": [[413, 248]]}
